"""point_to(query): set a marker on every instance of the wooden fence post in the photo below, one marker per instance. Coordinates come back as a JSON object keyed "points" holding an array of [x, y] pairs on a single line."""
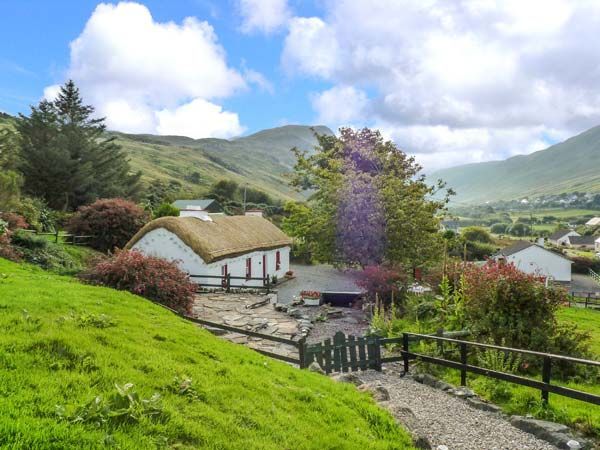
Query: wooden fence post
{"points": [[405, 351], [587, 299], [302, 352], [546, 370], [56, 237], [463, 361], [228, 276]]}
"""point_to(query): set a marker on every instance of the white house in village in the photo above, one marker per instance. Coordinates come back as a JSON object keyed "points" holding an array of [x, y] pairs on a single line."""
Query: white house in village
{"points": [[594, 221], [246, 246], [535, 259], [561, 237]]}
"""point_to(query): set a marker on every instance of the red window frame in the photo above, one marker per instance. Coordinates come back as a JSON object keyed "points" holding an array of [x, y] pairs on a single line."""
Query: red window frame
{"points": [[248, 268], [277, 260]]}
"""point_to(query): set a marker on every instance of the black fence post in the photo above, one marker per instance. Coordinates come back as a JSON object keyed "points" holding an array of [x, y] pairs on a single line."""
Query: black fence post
{"points": [[378, 354], [405, 351], [546, 370], [268, 283], [463, 361], [228, 276], [587, 299], [302, 352]]}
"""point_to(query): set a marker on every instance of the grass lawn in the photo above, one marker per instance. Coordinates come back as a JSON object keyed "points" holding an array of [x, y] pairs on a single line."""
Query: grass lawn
{"points": [[586, 320], [66, 345], [523, 400]]}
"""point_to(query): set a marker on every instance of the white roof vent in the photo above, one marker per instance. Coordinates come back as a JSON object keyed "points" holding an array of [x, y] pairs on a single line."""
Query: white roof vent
{"points": [[194, 211]]}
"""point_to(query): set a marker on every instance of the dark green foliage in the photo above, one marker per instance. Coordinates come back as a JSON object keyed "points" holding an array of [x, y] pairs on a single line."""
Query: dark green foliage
{"points": [[582, 264], [477, 234], [66, 158], [159, 192], [519, 229], [225, 190], [48, 255], [166, 209], [499, 228]]}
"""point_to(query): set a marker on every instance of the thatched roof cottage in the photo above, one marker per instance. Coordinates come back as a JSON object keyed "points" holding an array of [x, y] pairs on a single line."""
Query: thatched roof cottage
{"points": [[216, 245]]}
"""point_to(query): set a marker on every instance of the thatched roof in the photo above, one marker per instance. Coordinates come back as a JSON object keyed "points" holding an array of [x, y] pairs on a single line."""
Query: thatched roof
{"points": [[224, 237]]}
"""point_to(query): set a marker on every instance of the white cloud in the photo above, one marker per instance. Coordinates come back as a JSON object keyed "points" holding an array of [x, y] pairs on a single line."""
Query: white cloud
{"points": [[340, 105], [140, 73], [51, 92], [197, 119], [455, 81], [264, 16]]}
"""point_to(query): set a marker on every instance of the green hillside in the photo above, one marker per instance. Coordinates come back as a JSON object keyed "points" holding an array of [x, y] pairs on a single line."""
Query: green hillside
{"points": [[67, 346], [262, 159], [573, 165]]}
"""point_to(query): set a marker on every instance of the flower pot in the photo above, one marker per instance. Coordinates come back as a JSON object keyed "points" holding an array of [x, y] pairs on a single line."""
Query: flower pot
{"points": [[311, 301]]}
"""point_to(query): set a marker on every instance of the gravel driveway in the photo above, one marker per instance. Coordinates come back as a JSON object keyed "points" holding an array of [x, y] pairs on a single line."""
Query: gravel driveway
{"points": [[450, 421], [318, 277]]}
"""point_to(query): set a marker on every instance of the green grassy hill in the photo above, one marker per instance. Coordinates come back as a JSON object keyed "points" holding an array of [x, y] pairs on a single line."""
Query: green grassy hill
{"points": [[65, 346], [573, 165], [262, 159]]}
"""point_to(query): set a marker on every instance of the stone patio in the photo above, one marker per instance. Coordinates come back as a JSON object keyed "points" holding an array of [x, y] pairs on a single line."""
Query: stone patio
{"points": [[233, 309]]}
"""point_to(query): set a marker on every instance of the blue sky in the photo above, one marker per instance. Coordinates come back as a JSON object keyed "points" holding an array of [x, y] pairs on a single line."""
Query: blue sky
{"points": [[35, 54], [450, 81]]}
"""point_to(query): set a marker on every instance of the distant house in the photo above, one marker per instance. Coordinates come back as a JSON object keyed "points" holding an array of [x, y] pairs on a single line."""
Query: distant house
{"points": [[450, 225], [206, 204], [593, 222], [216, 245], [532, 258], [561, 237], [597, 244], [583, 242]]}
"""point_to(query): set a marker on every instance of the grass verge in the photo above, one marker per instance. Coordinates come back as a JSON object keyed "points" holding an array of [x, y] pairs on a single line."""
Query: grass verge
{"points": [[69, 353]]}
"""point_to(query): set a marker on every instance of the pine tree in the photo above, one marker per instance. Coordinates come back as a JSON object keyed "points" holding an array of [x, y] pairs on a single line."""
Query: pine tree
{"points": [[68, 159]]}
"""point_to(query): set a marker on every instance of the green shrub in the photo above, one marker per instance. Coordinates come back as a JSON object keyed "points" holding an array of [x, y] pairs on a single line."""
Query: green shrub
{"points": [[29, 241], [477, 234], [165, 210], [499, 228]]}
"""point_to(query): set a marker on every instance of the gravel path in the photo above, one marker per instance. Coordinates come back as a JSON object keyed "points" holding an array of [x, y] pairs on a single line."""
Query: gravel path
{"points": [[450, 421]]}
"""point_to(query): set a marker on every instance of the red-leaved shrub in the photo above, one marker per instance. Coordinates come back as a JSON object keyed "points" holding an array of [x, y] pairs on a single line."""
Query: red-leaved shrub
{"points": [[151, 277], [7, 250], [111, 223], [14, 220], [381, 281]]}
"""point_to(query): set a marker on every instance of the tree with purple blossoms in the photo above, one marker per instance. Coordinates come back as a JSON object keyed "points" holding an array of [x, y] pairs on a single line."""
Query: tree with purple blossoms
{"points": [[368, 203]]}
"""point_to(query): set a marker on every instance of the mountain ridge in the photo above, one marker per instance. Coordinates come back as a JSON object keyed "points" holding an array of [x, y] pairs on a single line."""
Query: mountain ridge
{"points": [[569, 166], [262, 160]]}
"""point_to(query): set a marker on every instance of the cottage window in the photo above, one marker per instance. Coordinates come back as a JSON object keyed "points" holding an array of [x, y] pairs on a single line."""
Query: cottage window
{"points": [[248, 268], [277, 260]]}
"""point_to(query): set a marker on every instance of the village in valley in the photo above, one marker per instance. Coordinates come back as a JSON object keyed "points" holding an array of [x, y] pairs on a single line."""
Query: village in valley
{"points": [[181, 267]]}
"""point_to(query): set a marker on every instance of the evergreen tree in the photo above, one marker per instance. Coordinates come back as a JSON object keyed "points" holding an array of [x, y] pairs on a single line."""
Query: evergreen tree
{"points": [[67, 158], [10, 179]]}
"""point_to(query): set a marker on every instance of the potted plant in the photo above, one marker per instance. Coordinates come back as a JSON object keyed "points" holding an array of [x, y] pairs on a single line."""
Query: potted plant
{"points": [[311, 298]]}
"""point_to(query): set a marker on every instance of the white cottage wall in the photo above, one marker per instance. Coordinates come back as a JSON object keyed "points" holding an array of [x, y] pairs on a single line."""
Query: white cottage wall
{"points": [[538, 261], [164, 244]]}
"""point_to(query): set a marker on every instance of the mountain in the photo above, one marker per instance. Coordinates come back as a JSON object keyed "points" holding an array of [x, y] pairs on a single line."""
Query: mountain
{"points": [[262, 159], [572, 165]]}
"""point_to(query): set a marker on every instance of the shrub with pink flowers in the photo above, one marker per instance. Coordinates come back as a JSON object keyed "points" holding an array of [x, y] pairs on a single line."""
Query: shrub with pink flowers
{"points": [[151, 277]]}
